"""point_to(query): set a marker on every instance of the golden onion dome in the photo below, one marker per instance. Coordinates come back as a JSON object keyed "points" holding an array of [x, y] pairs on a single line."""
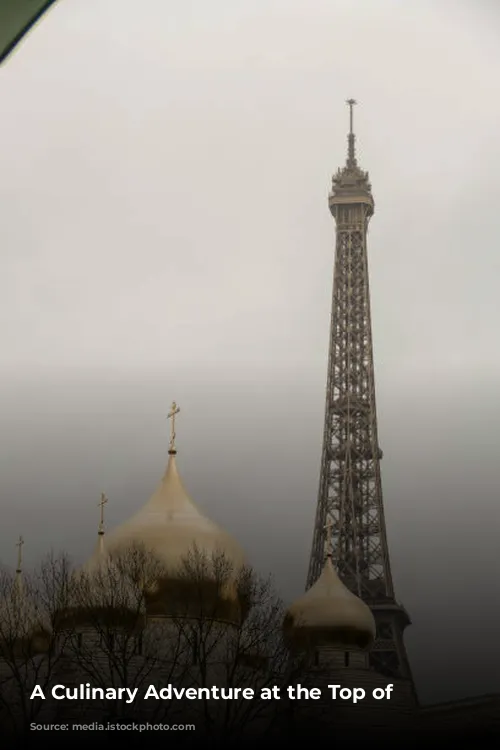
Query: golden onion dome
{"points": [[170, 526], [329, 612]]}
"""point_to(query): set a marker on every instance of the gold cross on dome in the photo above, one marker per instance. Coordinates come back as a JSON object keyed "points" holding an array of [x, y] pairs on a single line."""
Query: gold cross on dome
{"points": [[101, 505], [174, 409], [19, 546]]}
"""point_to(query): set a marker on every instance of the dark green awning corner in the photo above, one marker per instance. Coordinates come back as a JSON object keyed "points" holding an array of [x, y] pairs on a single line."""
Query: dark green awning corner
{"points": [[17, 17]]}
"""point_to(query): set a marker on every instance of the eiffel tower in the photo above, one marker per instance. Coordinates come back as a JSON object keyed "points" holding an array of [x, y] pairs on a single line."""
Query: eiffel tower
{"points": [[350, 488]]}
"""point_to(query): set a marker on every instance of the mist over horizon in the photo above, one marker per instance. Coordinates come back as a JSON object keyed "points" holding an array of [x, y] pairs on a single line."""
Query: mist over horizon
{"points": [[166, 237]]}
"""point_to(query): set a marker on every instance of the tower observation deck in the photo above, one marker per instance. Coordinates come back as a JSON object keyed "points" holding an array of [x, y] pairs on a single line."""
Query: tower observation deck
{"points": [[350, 487]]}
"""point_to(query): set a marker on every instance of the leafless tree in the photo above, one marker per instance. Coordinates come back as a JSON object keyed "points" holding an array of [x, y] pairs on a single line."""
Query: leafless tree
{"points": [[28, 636], [131, 623], [233, 621], [111, 640]]}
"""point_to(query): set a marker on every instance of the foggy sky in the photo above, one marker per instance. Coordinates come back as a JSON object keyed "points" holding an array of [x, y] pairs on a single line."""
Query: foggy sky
{"points": [[165, 235]]}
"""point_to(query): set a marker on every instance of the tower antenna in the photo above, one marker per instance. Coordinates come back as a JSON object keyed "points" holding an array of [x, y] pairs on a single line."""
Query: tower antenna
{"points": [[351, 138]]}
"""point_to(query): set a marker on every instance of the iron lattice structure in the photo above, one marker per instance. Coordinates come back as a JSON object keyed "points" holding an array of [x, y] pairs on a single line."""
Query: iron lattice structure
{"points": [[350, 490]]}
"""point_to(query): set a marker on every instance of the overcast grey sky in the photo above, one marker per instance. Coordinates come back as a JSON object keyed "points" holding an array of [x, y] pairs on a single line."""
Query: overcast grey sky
{"points": [[165, 235]]}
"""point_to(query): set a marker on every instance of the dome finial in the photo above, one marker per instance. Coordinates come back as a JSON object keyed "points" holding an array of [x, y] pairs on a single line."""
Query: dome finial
{"points": [[100, 532], [351, 154], [19, 546], [174, 409], [19, 569], [102, 502]]}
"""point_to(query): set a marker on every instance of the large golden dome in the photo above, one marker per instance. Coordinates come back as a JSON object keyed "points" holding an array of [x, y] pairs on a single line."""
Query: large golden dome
{"points": [[195, 562], [171, 526], [328, 611]]}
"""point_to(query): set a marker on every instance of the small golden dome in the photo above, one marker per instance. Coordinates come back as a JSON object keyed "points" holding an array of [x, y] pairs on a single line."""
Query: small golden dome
{"points": [[171, 526], [329, 611]]}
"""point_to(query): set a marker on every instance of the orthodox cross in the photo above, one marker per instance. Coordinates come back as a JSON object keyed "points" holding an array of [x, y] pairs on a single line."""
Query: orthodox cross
{"points": [[19, 546], [101, 505], [174, 409]]}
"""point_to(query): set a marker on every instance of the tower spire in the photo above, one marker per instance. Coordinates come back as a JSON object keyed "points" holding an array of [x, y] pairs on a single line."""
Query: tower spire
{"points": [[351, 138], [350, 486]]}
